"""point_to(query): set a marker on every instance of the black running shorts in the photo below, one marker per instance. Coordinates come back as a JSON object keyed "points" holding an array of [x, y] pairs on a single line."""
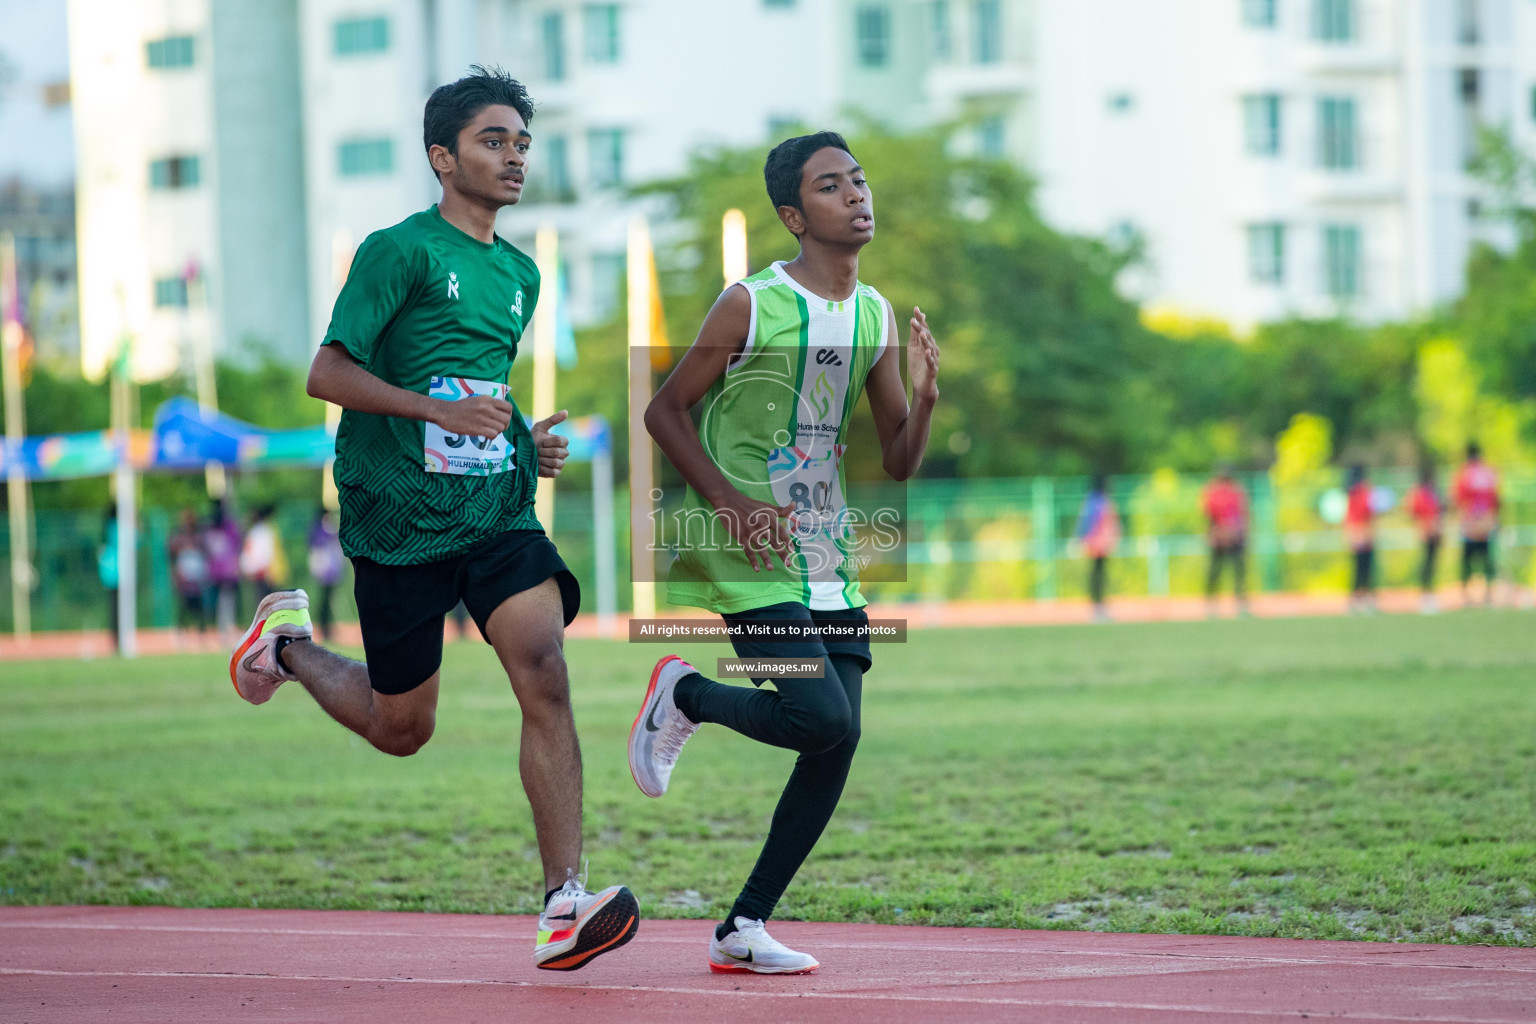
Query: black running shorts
{"points": [[401, 608], [792, 611]]}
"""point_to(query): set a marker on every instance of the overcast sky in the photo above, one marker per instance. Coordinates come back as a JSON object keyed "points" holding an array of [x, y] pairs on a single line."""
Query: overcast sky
{"points": [[35, 143]]}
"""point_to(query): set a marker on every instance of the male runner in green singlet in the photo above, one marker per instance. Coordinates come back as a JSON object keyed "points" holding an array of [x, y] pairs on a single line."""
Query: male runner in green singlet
{"points": [[436, 471], [778, 365]]}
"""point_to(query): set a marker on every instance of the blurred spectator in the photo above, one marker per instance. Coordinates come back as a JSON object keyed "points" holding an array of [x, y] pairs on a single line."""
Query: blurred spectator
{"points": [[189, 570], [1360, 535], [326, 565], [107, 568], [460, 616], [221, 547], [1427, 508], [1477, 504], [1098, 530], [261, 556], [1226, 513]]}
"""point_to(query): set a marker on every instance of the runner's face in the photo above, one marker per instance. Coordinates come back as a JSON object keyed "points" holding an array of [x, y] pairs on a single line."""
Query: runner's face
{"points": [[835, 201], [492, 157]]}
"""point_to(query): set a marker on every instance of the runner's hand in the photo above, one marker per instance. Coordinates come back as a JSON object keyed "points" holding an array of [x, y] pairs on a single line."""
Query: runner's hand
{"points": [[922, 358], [760, 528], [480, 416], [553, 449]]}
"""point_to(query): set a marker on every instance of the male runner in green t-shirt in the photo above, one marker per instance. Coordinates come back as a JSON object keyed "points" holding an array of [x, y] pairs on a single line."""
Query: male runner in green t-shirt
{"points": [[436, 471], [778, 366]]}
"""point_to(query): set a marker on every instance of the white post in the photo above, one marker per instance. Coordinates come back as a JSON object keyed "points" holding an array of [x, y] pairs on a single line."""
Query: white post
{"points": [[733, 244], [342, 251], [604, 543], [642, 561], [15, 432], [127, 513], [546, 255]]}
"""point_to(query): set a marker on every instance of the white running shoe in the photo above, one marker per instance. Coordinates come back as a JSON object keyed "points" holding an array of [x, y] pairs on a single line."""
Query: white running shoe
{"points": [[751, 948], [660, 729], [253, 667], [578, 925]]}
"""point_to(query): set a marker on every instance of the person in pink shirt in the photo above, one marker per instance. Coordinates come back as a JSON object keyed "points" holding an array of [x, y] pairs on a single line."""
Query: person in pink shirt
{"points": [[1360, 534], [1477, 505], [1098, 531], [1226, 515], [1427, 508]]}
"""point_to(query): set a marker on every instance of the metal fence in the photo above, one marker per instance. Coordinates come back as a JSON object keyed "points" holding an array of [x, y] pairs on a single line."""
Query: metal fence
{"points": [[998, 539]]}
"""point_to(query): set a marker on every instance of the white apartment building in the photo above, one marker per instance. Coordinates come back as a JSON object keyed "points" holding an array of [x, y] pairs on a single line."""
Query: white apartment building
{"points": [[1281, 157], [189, 192], [1275, 157]]}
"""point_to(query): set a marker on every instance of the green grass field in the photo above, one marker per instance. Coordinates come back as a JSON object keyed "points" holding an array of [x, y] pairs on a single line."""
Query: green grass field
{"points": [[1316, 778]]}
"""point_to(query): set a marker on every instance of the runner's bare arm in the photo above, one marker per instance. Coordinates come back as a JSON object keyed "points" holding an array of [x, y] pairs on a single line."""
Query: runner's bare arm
{"points": [[757, 525], [903, 431], [336, 377]]}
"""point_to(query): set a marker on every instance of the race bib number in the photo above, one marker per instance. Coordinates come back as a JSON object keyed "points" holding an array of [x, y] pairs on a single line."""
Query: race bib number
{"points": [[465, 454], [812, 483]]}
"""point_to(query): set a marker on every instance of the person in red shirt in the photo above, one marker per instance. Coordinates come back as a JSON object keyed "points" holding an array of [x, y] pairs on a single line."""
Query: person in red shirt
{"points": [[1360, 534], [1226, 514], [1477, 504], [1428, 511]]}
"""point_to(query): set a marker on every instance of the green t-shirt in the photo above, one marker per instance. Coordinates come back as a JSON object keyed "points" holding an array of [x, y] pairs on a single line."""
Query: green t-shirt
{"points": [[430, 309], [776, 424]]}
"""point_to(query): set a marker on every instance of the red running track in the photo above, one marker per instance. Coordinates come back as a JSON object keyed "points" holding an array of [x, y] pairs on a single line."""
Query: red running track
{"points": [[154, 964]]}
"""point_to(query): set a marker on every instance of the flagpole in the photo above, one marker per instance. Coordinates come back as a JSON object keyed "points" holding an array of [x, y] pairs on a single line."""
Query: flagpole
{"points": [[546, 255], [642, 477], [15, 433], [127, 510]]}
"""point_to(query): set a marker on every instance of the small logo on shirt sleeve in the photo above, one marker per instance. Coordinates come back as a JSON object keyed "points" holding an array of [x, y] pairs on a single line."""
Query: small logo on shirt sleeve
{"points": [[517, 305], [453, 285]]}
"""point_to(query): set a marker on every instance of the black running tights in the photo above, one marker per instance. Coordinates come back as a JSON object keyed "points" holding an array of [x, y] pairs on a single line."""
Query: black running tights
{"points": [[817, 717]]}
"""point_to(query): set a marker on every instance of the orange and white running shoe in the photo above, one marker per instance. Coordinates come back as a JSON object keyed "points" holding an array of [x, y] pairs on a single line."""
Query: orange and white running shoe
{"points": [[253, 667], [578, 925], [751, 948], [660, 729]]}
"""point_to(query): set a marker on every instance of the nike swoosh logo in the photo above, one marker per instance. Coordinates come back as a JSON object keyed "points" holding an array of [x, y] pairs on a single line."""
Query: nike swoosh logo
{"points": [[744, 959], [561, 917], [650, 719]]}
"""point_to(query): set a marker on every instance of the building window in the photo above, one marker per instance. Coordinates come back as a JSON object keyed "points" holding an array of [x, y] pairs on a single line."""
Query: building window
{"points": [[941, 44], [605, 157], [988, 17], [1260, 13], [1341, 260], [1469, 22], [1333, 21], [608, 272], [361, 35], [1533, 103], [1266, 253], [601, 22], [171, 292], [552, 37], [781, 127], [170, 52], [872, 29], [363, 157], [778, 3], [992, 138], [175, 172], [1261, 124], [1121, 103], [557, 169], [1337, 134]]}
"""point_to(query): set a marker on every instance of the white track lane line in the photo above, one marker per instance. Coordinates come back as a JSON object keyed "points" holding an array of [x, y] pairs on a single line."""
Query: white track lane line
{"points": [[1370, 960], [1086, 1004]]}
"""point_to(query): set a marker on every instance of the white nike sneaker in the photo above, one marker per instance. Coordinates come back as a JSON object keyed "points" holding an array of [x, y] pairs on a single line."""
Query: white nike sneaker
{"points": [[660, 729], [578, 925], [253, 667], [751, 948]]}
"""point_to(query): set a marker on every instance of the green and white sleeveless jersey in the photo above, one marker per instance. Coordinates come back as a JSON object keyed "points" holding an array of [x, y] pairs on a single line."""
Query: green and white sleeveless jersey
{"points": [[775, 424]]}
